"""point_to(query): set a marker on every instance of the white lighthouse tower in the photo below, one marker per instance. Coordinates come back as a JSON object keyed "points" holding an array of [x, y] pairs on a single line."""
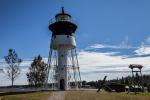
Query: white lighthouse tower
{"points": [[63, 68]]}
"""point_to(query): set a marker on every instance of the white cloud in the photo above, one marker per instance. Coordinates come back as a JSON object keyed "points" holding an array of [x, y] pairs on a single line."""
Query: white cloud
{"points": [[98, 63], [93, 59], [123, 45], [96, 46], [143, 50]]}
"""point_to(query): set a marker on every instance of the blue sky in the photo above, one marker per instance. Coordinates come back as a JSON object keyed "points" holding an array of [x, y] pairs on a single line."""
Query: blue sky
{"points": [[108, 30]]}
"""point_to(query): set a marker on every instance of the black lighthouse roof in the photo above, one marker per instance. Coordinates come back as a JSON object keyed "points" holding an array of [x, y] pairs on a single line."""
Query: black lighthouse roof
{"points": [[62, 13], [63, 24]]}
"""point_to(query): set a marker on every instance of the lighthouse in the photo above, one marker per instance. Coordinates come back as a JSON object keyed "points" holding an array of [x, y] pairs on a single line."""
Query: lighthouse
{"points": [[63, 68]]}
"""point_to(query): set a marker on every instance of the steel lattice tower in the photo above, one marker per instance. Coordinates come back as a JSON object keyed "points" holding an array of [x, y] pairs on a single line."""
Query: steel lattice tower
{"points": [[137, 78], [63, 69]]}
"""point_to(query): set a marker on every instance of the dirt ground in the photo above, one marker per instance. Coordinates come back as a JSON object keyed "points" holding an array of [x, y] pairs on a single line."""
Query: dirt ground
{"points": [[58, 95]]}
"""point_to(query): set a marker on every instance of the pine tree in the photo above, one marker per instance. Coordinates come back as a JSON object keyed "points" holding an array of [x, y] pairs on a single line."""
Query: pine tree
{"points": [[37, 72]]}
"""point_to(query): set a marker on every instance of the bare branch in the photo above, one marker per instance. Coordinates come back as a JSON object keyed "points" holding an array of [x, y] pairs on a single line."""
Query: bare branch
{"points": [[13, 62]]}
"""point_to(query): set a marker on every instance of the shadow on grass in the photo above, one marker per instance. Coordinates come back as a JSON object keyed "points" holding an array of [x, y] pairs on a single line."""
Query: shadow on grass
{"points": [[17, 93]]}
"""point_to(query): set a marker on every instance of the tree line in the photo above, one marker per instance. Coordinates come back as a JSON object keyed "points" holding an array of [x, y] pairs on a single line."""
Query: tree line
{"points": [[123, 80]]}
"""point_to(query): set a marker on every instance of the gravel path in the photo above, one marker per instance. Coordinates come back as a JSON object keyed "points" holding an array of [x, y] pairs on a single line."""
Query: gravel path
{"points": [[57, 95]]}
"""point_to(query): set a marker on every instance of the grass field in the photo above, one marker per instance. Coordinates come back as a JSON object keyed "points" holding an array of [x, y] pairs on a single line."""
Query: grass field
{"points": [[92, 95], [28, 96], [79, 95]]}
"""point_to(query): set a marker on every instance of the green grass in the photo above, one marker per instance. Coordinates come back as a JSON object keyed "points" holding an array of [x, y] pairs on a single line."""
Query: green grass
{"points": [[28, 96], [92, 95], [79, 95]]}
